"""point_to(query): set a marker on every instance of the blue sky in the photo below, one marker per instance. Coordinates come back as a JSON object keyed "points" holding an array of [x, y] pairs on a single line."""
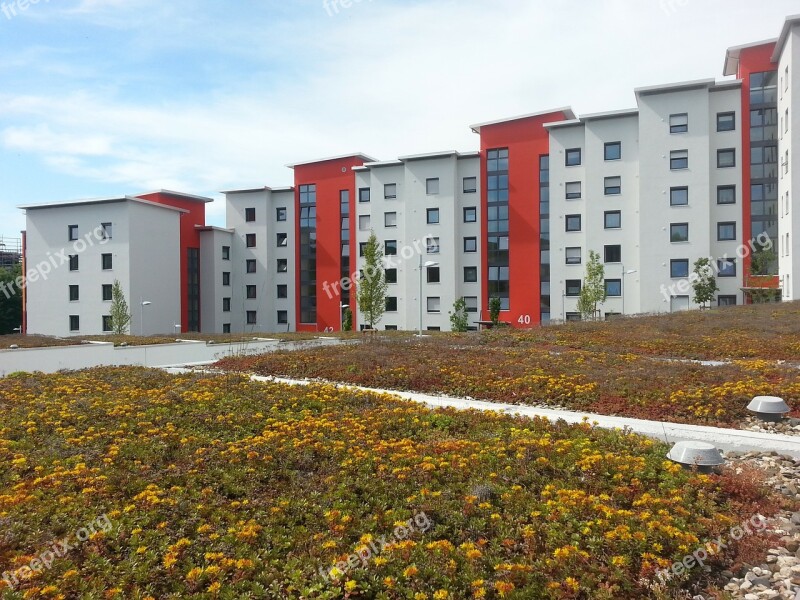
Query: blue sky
{"points": [[107, 97]]}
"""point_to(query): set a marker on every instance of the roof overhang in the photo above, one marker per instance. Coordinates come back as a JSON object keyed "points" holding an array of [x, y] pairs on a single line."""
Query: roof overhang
{"points": [[360, 155], [681, 86], [192, 197], [93, 201], [733, 53], [787, 29], [567, 110]]}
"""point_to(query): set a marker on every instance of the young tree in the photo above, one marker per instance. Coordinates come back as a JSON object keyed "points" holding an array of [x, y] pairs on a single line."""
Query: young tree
{"points": [[704, 284], [120, 313], [459, 317], [372, 286], [10, 300], [347, 320], [494, 310], [593, 291], [762, 267]]}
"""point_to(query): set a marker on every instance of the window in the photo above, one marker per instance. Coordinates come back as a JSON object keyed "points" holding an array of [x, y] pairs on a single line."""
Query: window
{"points": [[572, 287], [432, 245], [250, 265], [283, 317], [726, 267], [679, 304], [251, 292], [390, 328], [391, 275], [472, 303], [226, 328], [108, 324], [108, 292], [226, 305], [612, 219], [726, 121], [573, 157], [433, 275], [226, 278], [363, 195], [573, 317], [726, 300], [573, 256], [726, 158], [726, 194], [280, 213], [432, 186], [390, 191], [573, 222], [726, 231], [433, 216], [72, 232], [470, 244], [679, 232], [613, 151], [362, 247], [74, 323], [613, 287], [470, 185], [73, 262], [390, 248], [283, 291], [679, 123], [434, 304], [613, 186], [679, 268], [250, 240], [470, 214], [283, 265], [107, 262], [108, 230], [74, 293], [390, 219], [283, 240], [391, 304], [249, 214], [226, 253], [679, 159], [470, 274], [252, 317], [679, 196], [613, 254], [363, 222], [573, 190]]}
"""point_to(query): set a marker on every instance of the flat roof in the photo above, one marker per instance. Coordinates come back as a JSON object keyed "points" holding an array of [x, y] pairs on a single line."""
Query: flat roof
{"points": [[179, 195], [427, 155], [731, 66], [674, 87], [790, 22], [565, 109], [213, 228], [373, 165], [568, 123], [107, 200], [725, 85], [260, 189], [610, 114], [361, 155]]}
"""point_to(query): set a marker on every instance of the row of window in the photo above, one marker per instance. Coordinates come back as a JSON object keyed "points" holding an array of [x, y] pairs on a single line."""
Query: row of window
{"points": [[433, 304], [106, 262], [470, 186], [75, 323], [432, 217], [250, 214], [75, 292], [72, 232], [679, 122]]}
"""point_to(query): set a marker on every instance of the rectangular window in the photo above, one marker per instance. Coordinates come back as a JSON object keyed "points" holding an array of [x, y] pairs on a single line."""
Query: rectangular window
{"points": [[613, 151], [679, 123], [72, 232], [391, 275], [283, 265], [280, 213], [726, 158], [363, 195], [226, 253], [283, 240], [108, 292], [726, 194], [108, 324], [726, 300], [678, 160], [251, 292], [679, 196], [434, 304], [250, 265], [391, 304], [726, 121], [364, 222], [107, 262], [573, 255], [573, 317], [470, 274], [74, 323], [679, 268], [432, 216], [613, 288], [572, 287], [470, 214], [283, 317], [727, 267], [250, 240], [74, 293], [573, 190], [252, 317], [226, 328], [390, 219], [726, 231], [249, 215], [470, 185], [679, 232], [573, 222], [432, 245], [390, 191], [362, 247], [283, 291], [432, 186], [573, 157], [226, 305], [390, 248], [73, 262], [433, 275], [612, 219], [470, 244], [108, 230], [613, 253], [472, 303], [613, 186], [226, 278]]}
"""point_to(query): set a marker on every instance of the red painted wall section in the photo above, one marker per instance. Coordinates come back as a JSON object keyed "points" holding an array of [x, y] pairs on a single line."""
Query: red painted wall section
{"points": [[190, 237], [330, 177], [526, 140], [751, 60]]}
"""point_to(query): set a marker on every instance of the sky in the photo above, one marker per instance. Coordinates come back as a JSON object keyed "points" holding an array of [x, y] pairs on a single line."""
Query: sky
{"points": [[112, 97]]}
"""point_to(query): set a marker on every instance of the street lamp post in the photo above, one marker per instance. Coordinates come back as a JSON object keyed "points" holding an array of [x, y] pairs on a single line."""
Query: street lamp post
{"points": [[143, 303], [421, 265], [622, 291]]}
